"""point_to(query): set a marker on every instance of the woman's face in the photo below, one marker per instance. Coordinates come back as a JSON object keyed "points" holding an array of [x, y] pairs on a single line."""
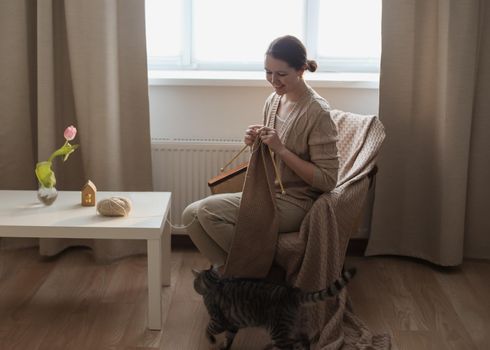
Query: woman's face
{"points": [[281, 75]]}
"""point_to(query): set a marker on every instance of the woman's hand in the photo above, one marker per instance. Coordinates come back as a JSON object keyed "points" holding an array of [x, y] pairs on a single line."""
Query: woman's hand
{"points": [[302, 168], [270, 138], [251, 134]]}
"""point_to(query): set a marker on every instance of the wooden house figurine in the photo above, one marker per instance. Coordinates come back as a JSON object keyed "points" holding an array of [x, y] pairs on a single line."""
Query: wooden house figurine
{"points": [[88, 194]]}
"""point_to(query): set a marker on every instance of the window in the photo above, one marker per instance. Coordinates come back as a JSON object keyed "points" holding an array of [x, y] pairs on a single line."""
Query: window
{"points": [[342, 35]]}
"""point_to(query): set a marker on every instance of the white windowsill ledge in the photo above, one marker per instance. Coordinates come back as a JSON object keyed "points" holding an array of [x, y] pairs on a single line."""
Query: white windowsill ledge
{"points": [[254, 78]]}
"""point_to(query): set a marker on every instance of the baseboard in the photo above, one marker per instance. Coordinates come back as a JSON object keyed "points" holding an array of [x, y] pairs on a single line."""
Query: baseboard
{"points": [[356, 246]]}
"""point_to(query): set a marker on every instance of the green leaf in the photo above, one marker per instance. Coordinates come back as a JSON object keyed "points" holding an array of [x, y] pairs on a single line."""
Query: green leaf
{"points": [[73, 148], [45, 174], [64, 151]]}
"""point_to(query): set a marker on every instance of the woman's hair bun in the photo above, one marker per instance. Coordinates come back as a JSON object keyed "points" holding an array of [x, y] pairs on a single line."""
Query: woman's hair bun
{"points": [[312, 65]]}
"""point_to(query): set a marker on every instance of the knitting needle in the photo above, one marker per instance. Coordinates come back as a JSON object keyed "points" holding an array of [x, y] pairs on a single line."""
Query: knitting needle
{"points": [[277, 172], [235, 157]]}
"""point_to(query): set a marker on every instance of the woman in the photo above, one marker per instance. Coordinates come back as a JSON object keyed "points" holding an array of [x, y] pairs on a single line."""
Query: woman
{"points": [[298, 129]]}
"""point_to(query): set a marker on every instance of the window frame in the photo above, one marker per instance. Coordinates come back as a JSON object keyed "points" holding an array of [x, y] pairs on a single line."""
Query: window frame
{"points": [[186, 62]]}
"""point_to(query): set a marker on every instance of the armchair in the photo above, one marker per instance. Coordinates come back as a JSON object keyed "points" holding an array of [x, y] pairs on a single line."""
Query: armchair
{"points": [[360, 138]]}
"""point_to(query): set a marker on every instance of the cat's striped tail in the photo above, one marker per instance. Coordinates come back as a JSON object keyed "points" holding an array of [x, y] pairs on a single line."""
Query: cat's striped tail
{"points": [[331, 291]]}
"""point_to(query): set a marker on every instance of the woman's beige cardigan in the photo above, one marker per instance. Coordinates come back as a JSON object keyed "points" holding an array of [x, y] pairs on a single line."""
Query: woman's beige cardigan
{"points": [[310, 133]]}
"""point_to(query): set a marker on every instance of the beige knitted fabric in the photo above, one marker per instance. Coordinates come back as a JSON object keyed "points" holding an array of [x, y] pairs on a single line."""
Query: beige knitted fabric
{"points": [[254, 243], [314, 257]]}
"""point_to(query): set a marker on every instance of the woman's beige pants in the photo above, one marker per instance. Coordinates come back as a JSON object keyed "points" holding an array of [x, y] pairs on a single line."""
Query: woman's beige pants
{"points": [[212, 223]]}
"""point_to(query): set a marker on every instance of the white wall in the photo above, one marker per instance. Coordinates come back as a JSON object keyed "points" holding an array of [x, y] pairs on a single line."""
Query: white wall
{"points": [[223, 112]]}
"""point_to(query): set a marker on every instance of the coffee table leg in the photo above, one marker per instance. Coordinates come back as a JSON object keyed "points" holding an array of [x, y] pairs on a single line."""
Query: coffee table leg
{"points": [[166, 249], [154, 284]]}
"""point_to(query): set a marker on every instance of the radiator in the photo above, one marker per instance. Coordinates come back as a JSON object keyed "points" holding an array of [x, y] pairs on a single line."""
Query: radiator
{"points": [[184, 166]]}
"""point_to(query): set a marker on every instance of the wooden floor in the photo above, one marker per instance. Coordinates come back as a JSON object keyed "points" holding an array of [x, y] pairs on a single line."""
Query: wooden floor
{"points": [[71, 302]]}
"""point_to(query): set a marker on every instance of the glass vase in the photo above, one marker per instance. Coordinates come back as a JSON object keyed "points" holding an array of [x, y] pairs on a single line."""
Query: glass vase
{"points": [[47, 195]]}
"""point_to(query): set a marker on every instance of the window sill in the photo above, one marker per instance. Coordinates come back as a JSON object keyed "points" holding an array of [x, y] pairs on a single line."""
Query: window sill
{"points": [[249, 78]]}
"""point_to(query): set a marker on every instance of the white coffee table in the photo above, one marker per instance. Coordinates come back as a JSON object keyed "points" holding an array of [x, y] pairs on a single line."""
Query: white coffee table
{"points": [[22, 215]]}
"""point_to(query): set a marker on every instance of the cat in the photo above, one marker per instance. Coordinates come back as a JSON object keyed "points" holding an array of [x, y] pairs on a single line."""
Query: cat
{"points": [[235, 303]]}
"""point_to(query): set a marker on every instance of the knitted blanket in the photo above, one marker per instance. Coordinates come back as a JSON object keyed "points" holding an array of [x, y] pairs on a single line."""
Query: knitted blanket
{"points": [[314, 257]]}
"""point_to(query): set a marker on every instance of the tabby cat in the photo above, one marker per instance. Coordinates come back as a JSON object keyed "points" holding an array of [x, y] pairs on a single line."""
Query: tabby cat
{"points": [[235, 303]]}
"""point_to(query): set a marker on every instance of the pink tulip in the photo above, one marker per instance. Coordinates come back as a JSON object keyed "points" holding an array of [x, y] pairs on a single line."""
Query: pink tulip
{"points": [[70, 133]]}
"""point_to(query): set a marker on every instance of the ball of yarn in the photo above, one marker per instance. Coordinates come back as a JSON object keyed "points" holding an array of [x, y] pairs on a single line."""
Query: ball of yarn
{"points": [[114, 206]]}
